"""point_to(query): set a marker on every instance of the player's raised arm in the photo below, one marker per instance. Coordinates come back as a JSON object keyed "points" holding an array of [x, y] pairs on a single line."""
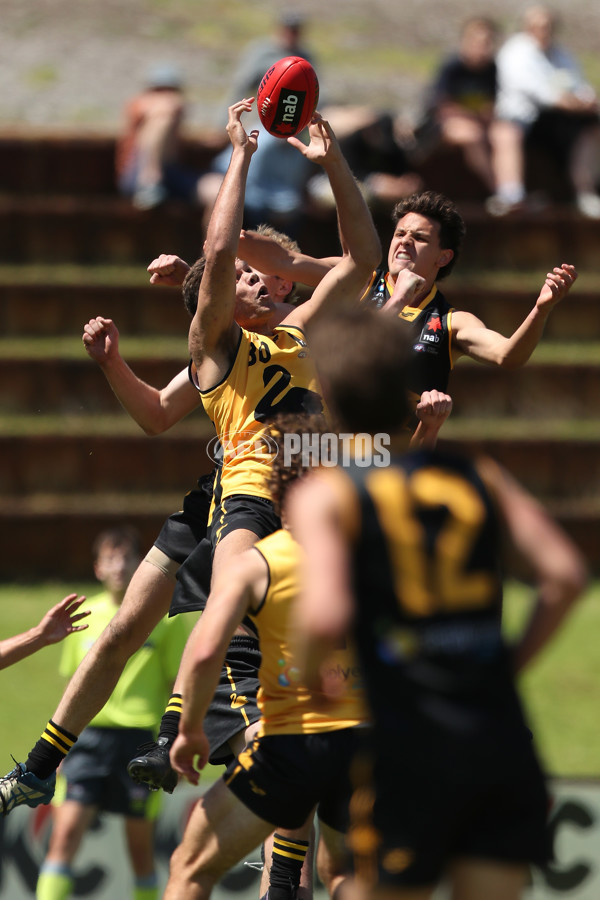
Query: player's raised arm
{"points": [[213, 330], [325, 609], [345, 282], [265, 254], [473, 339], [155, 410]]}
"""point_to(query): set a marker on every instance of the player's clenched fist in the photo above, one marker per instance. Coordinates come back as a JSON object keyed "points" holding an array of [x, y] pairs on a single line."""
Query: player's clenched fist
{"points": [[168, 270], [101, 338]]}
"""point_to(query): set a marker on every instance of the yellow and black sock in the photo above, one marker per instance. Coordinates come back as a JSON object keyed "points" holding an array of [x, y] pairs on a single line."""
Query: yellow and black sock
{"points": [[50, 750], [286, 865], [169, 724]]}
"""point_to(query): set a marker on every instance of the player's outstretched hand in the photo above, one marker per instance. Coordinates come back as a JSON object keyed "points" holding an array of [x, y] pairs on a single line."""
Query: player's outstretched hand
{"points": [[323, 147], [168, 270], [235, 129], [557, 285], [101, 339], [61, 620], [189, 754]]}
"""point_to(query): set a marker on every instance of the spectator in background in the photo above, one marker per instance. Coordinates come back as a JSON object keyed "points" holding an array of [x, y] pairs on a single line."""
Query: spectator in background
{"points": [[148, 160], [544, 101], [287, 40], [460, 104], [54, 627], [95, 769]]}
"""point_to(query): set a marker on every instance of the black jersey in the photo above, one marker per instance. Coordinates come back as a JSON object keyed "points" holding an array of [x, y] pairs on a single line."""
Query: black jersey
{"points": [[431, 324], [473, 89], [428, 586]]}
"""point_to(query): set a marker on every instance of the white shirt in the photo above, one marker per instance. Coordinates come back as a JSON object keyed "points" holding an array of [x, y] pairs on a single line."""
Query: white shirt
{"points": [[529, 79]]}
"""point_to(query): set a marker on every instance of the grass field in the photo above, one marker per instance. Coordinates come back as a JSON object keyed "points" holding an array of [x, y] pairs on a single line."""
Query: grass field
{"points": [[559, 690]]}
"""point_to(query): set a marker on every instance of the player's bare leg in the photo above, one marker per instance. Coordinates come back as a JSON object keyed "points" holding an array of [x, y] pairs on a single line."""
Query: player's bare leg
{"points": [[220, 832], [332, 860], [229, 547], [152, 766], [70, 821], [305, 833], [146, 601], [140, 845]]}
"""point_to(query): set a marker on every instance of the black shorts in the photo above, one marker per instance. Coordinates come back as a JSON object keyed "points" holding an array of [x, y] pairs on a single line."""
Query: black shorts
{"points": [[96, 771], [283, 777], [183, 531], [233, 707], [192, 584], [255, 514], [416, 809]]}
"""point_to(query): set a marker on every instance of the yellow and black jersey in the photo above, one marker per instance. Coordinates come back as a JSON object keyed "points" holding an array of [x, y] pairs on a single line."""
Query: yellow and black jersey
{"points": [[429, 590], [269, 375], [431, 323], [285, 704]]}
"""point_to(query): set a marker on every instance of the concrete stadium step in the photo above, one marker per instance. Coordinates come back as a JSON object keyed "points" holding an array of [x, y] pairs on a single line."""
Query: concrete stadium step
{"points": [[554, 469], [562, 386], [49, 537], [540, 390], [46, 228], [93, 229], [576, 319], [49, 307], [43, 309], [67, 161], [551, 466], [56, 463], [556, 235], [78, 162], [72, 386]]}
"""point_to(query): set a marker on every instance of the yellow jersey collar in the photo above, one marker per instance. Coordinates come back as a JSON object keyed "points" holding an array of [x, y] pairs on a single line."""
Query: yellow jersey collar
{"points": [[410, 313]]}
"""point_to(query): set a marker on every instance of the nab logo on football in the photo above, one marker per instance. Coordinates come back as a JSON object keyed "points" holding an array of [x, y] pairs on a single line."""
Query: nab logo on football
{"points": [[287, 96], [289, 108]]}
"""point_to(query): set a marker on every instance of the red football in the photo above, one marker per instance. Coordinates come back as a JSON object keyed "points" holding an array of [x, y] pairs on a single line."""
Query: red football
{"points": [[287, 96]]}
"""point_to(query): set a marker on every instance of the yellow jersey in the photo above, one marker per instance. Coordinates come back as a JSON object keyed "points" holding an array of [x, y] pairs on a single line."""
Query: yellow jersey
{"points": [[269, 375], [286, 705]]}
